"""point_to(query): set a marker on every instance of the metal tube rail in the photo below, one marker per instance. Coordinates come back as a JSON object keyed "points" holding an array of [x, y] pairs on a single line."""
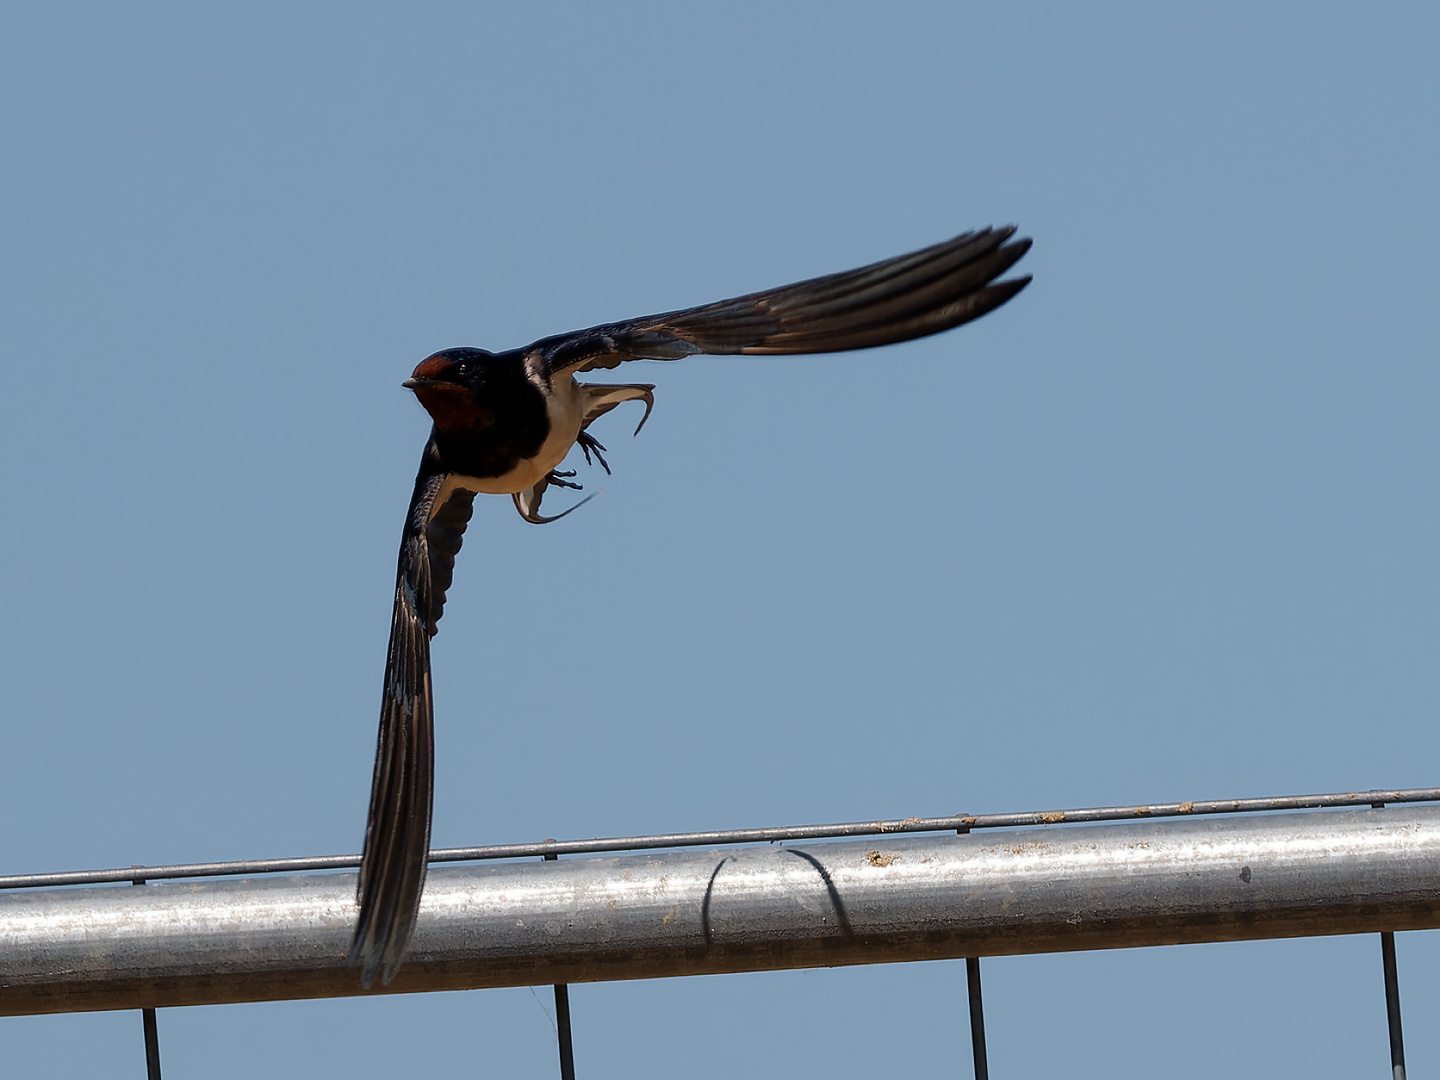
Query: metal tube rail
{"points": [[652, 915], [550, 848]]}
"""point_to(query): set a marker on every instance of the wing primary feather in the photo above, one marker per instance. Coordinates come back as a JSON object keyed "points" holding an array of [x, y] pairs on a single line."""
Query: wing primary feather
{"points": [[855, 288], [894, 300], [934, 321], [397, 832], [915, 292]]}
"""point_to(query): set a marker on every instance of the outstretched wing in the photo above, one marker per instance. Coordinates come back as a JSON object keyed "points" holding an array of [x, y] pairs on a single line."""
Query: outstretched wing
{"points": [[898, 299], [397, 833]]}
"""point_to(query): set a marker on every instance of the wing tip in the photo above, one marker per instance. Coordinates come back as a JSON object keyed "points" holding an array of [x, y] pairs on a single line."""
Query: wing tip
{"points": [[363, 955], [378, 952], [1010, 287]]}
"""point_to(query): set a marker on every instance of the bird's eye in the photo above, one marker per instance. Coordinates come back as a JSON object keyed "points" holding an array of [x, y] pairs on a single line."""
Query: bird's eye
{"points": [[464, 369]]}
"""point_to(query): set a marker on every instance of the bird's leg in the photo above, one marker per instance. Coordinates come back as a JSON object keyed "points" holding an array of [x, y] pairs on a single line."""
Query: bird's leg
{"points": [[588, 443], [559, 479]]}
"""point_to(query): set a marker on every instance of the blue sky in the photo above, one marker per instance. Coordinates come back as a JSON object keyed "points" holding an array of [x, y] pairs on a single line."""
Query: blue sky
{"points": [[1165, 527]]}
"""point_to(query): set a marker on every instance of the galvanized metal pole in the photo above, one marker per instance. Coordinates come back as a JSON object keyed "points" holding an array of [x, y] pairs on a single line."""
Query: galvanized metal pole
{"points": [[1392, 1005], [977, 1018], [562, 1019], [662, 914]]}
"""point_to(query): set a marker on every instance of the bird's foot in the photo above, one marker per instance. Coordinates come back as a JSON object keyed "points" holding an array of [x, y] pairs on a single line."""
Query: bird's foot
{"points": [[589, 443], [561, 479]]}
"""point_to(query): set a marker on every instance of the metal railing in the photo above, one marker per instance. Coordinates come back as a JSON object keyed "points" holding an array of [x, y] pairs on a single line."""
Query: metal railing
{"points": [[1105, 878], [771, 835]]}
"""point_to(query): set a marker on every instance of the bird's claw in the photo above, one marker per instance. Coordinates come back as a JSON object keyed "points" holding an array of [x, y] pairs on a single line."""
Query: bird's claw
{"points": [[560, 479], [589, 443]]}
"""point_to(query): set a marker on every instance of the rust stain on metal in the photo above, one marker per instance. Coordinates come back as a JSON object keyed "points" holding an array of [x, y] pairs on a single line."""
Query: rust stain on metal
{"points": [[1053, 817], [1187, 807], [1026, 848], [879, 858]]}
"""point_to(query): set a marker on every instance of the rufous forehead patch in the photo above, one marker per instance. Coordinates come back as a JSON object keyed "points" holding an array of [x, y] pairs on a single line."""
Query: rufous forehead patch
{"points": [[433, 367]]}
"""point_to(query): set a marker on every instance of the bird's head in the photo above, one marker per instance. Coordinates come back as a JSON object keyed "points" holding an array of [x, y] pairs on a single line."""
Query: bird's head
{"points": [[449, 385]]}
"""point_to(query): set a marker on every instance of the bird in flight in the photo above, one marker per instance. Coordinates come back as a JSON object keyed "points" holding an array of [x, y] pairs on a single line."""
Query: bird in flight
{"points": [[503, 423]]}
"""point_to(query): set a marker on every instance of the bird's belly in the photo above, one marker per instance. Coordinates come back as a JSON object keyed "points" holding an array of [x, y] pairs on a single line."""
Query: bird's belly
{"points": [[564, 409]]}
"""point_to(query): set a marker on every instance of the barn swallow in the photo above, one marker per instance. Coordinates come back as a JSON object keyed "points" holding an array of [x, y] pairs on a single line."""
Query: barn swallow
{"points": [[503, 423]]}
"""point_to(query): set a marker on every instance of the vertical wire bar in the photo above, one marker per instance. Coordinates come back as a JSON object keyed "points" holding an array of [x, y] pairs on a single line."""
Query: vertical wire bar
{"points": [[152, 1045], [1392, 995], [977, 1008], [1392, 1005], [147, 1024], [977, 1018], [562, 1019]]}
